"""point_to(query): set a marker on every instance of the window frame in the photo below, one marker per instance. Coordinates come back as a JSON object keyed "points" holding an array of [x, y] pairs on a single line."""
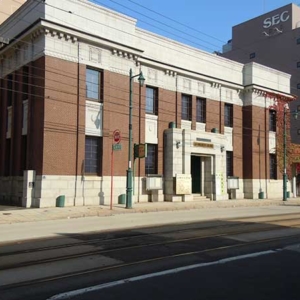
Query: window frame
{"points": [[154, 100], [186, 115], [229, 163], [272, 166], [98, 171], [200, 110], [228, 115], [100, 84], [151, 149], [272, 120]]}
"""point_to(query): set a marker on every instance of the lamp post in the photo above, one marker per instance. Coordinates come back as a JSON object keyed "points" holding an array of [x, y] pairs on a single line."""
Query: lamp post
{"points": [[295, 114], [141, 80]]}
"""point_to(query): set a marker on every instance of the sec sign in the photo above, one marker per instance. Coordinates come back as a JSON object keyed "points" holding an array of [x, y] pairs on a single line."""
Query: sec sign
{"points": [[117, 136], [276, 19]]}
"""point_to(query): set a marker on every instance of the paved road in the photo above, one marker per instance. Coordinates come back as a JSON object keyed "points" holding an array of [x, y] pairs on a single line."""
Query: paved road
{"points": [[270, 276], [218, 250]]}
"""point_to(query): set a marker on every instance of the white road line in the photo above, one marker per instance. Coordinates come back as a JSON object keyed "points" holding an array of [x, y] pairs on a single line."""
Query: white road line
{"points": [[79, 292]]}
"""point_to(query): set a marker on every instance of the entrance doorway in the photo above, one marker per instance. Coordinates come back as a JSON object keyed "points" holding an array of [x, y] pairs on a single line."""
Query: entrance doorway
{"points": [[196, 174]]}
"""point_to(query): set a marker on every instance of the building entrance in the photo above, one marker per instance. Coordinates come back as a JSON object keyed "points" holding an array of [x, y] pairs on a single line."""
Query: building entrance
{"points": [[196, 174]]}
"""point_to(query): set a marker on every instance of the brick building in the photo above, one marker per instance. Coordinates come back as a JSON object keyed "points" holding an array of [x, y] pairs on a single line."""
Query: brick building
{"points": [[65, 89]]}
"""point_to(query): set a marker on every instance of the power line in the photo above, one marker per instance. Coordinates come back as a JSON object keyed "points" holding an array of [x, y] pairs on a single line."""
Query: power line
{"points": [[127, 33]]}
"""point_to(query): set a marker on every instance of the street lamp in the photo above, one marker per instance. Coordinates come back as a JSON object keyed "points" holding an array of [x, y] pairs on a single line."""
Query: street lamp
{"points": [[295, 114], [141, 80]]}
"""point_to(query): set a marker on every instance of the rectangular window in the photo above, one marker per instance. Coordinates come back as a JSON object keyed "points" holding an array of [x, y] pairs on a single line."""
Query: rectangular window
{"points": [[94, 89], [298, 41], [273, 166], [151, 100], [298, 86], [272, 120], [25, 83], [228, 115], [201, 110], [252, 55], [298, 64], [93, 155], [186, 107], [229, 163], [9, 89], [151, 159]]}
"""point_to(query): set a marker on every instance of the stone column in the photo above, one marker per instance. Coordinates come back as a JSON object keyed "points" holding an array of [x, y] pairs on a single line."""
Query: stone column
{"points": [[28, 188]]}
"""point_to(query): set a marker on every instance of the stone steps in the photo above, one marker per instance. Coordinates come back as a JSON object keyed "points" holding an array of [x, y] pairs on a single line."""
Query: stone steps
{"points": [[198, 197]]}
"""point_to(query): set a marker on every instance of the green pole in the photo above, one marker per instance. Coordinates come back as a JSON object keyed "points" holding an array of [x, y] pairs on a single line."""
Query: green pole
{"points": [[284, 155], [133, 175], [129, 171]]}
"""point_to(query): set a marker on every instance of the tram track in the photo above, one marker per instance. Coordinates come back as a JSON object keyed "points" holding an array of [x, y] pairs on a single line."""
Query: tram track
{"points": [[154, 233], [145, 261]]}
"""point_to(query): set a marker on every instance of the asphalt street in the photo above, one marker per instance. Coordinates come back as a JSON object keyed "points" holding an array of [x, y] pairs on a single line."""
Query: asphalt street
{"points": [[271, 276], [234, 258]]}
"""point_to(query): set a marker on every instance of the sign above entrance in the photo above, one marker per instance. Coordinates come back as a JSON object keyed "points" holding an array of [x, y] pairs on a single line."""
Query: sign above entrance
{"points": [[203, 145]]}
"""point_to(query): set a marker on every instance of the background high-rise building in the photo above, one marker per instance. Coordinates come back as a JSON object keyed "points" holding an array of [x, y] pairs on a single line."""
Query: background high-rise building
{"points": [[272, 39], [8, 7]]}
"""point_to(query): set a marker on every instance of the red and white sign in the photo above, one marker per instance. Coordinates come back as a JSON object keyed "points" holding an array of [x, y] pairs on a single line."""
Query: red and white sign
{"points": [[117, 136]]}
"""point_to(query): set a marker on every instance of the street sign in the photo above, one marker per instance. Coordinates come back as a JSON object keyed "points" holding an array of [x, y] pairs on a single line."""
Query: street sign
{"points": [[117, 136], [117, 147]]}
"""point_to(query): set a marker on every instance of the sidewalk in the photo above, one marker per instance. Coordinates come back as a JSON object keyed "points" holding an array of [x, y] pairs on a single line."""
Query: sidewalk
{"points": [[10, 215], [27, 224]]}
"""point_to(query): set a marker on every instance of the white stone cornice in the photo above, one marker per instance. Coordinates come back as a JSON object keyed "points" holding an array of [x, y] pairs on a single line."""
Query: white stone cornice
{"points": [[60, 35], [259, 92], [170, 73], [216, 85], [126, 55]]}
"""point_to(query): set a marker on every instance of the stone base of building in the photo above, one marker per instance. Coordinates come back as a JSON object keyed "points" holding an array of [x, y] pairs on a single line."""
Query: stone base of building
{"points": [[43, 191]]}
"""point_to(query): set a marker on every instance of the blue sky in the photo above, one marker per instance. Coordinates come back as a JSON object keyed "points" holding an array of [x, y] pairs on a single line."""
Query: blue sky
{"points": [[207, 23]]}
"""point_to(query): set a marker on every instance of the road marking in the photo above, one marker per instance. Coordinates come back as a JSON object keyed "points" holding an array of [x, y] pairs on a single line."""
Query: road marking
{"points": [[79, 292]]}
